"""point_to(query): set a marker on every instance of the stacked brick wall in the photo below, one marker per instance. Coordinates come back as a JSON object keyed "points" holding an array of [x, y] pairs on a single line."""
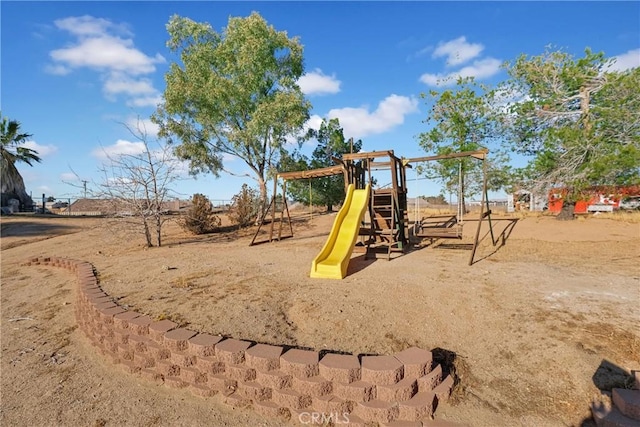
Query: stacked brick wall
{"points": [[622, 409], [402, 389]]}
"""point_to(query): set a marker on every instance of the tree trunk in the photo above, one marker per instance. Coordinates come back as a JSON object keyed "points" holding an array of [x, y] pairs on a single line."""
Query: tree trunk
{"points": [[159, 229], [329, 208], [567, 212], [462, 202], [147, 232], [263, 199]]}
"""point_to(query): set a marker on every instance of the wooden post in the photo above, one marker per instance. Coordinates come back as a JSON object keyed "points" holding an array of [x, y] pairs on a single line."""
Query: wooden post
{"points": [[273, 208], [310, 203], [482, 214], [286, 205], [284, 202]]}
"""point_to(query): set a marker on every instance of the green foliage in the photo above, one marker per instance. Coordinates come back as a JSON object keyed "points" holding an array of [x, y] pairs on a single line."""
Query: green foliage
{"points": [[327, 191], [11, 141], [200, 218], [463, 119], [578, 122], [234, 93], [244, 206], [11, 152]]}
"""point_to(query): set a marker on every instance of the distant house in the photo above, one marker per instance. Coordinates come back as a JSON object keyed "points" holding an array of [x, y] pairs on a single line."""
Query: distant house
{"points": [[95, 207], [113, 207]]}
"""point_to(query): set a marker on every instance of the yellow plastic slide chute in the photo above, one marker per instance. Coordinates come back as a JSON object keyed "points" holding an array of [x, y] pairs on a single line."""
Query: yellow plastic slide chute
{"points": [[333, 259]]}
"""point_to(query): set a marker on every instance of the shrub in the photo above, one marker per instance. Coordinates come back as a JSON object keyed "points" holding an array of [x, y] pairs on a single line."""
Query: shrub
{"points": [[244, 206], [200, 218]]}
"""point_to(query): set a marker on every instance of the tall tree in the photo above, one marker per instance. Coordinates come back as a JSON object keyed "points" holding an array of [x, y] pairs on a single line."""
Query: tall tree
{"points": [[329, 190], [463, 119], [579, 123], [235, 93], [12, 151]]}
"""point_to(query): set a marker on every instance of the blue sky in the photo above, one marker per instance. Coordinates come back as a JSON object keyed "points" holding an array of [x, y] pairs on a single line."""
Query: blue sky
{"points": [[74, 72]]}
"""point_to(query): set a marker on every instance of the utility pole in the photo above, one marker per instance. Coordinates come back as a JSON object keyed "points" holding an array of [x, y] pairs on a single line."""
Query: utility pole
{"points": [[84, 183]]}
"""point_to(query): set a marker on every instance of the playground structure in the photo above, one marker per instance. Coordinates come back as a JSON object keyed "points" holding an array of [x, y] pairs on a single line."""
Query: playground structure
{"points": [[333, 259], [377, 217], [450, 227]]}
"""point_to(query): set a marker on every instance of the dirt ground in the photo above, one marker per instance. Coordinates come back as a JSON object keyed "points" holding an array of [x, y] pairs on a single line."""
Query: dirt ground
{"points": [[532, 329]]}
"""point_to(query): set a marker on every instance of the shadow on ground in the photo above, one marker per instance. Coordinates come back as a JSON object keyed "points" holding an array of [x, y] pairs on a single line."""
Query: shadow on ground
{"points": [[607, 377], [26, 228]]}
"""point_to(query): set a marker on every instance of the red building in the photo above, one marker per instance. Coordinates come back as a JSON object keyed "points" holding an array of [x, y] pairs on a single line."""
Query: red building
{"points": [[596, 199]]}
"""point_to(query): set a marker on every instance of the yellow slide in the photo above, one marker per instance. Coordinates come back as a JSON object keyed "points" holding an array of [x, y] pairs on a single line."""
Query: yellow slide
{"points": [[333, 259]]}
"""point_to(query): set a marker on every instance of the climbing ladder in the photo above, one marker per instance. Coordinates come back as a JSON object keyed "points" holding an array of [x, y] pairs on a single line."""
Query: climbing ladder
{"points": [[386, 224]]}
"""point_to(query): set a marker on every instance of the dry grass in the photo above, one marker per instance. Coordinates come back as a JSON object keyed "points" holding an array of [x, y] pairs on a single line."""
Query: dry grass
{"points": [[632, 217]]}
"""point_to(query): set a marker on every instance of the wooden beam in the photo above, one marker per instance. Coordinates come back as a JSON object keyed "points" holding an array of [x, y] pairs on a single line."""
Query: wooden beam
{"points": [[312, 173], [480, 155], [367, 155]]}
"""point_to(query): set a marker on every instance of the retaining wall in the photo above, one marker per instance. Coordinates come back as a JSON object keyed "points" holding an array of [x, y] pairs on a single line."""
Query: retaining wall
{"points": [[401, 389]]}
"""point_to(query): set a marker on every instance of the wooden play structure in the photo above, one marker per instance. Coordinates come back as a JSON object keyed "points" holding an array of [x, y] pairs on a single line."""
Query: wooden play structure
{"points": [[437, 227], [276, 209], [387, 228], [380, 215]]}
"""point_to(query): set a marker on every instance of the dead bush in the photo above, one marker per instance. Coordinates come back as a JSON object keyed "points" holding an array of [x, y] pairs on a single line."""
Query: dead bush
{"points": [[200, 218], [244, 206]]}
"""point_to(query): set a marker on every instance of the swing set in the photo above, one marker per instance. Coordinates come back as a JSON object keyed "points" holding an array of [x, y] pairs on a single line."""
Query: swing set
{"points": [[436, 227], [278, 204], [388, 223]]}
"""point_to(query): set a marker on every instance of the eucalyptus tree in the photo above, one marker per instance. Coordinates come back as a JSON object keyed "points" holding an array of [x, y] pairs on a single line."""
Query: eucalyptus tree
{"points": [[232, 93], [12, 151]]}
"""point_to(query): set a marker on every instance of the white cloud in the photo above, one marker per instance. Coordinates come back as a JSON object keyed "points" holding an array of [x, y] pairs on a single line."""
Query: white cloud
{"points": [[57, 69], [42, 150], [314, 122], [145, 126], [108, 48], [121, 147], [118, 83], [626, 61], [318, 83], [106, 52], [68, 176], [480, 69], [360, 122], [145, 101], [458, 51], [88, 25]]}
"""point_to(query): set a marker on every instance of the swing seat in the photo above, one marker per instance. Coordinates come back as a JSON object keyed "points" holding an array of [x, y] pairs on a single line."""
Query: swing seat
{"points": [[439, 227], [441, 233]]}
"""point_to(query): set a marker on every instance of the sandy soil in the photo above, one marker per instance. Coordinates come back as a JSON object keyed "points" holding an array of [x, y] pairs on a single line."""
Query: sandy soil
{"points": [[532, 329]]}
